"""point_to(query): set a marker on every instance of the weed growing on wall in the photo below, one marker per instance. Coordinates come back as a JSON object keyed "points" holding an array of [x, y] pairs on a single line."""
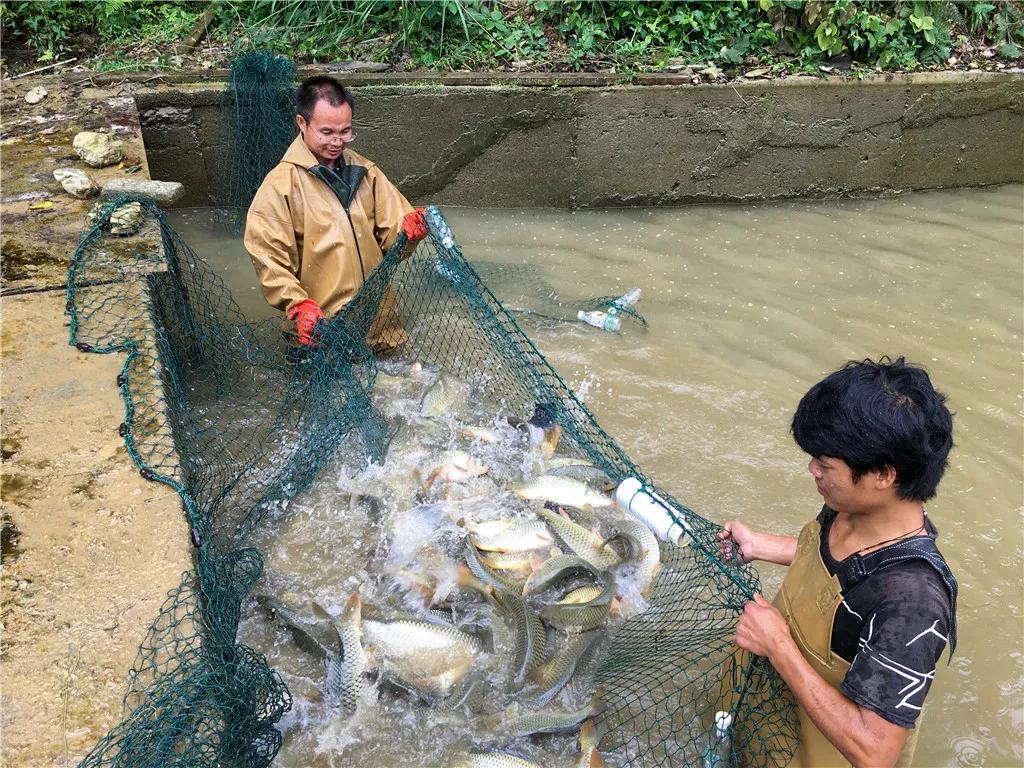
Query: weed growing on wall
{"points": [[546, 35]]}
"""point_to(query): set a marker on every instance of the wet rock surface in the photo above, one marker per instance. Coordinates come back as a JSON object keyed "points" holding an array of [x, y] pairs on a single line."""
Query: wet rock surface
{"points": [[163, 192], [76, 183], [98, 149], [124, 220], [36, 95], [35, 140]]}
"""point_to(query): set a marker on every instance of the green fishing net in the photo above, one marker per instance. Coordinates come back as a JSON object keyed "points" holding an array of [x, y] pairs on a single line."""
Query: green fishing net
{"points": [[237, 419], [257, 123]]}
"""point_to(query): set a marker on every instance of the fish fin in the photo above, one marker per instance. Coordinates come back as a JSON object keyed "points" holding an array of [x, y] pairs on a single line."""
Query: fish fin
{"points": [[647, 591], [370, 653], [488, 593], [597, 703], [615, 607], [596, 761], [320, 611], [431, 478], [353, 608], [465, 578], [549, 444], [588, 736], [535, 563], [588, 508]]}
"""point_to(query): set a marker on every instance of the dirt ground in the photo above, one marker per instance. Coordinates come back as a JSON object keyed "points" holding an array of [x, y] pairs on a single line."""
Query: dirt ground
{"points": [[90, 549]]}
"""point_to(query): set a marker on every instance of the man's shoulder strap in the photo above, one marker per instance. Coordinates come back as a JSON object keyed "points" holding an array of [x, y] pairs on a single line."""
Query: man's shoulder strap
{"points": [[857, 568]]}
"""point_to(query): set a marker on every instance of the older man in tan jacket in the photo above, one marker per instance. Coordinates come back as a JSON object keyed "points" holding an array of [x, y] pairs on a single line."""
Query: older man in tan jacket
{"points": [[324, 217]]}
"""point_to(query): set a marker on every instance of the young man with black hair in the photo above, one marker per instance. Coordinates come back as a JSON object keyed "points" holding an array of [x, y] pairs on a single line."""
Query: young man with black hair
{"points": [[868, 603], [324, 217]]}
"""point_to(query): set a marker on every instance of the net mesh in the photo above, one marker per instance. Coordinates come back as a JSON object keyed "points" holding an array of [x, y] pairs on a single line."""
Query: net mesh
{"points": [[257, 122], [225, 412]]}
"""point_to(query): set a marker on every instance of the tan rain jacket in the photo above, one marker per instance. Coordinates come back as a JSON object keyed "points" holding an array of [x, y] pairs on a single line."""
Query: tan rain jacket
{"points": [[315, 234]]}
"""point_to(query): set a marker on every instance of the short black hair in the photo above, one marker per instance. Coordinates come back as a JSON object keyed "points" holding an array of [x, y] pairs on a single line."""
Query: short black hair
{"points": [[875, 415], [320, 87]]}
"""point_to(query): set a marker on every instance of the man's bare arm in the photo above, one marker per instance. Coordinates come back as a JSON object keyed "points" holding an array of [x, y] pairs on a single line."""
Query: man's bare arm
{"points": [[756, 545], [864, 738]]}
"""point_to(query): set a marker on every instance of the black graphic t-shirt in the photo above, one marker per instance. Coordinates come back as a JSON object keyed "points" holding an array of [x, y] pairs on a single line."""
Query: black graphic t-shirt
{"points": [[892, 627]]}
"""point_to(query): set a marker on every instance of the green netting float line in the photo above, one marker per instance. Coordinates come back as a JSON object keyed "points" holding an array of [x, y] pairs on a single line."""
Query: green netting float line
{"points": [[238, 420]]}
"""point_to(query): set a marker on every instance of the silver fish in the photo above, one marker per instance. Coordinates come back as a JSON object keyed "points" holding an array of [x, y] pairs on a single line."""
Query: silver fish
{"points": [[454, 467], [588, 545], [586, 473], [517, 563], [649, 556], [492, 578], [405, 369], [531, 638], [432, 658], [556, 569], [313, 634], [447, 394], [336, 641], [510, 535], [581, 595], [551, 677], [588, 741], [563, 491], [345, 677], [543, 721], [491, 760], [577, 468], [480, 434], [582, 616], [557, 462]]}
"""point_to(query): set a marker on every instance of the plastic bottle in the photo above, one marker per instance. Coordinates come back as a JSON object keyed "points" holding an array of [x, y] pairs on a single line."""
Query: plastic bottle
{"points": [[653, 511], [608, 321], [628, 299]]}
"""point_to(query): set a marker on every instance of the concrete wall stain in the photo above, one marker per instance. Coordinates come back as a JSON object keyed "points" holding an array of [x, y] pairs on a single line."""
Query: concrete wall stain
{"points": [[648, 145]]}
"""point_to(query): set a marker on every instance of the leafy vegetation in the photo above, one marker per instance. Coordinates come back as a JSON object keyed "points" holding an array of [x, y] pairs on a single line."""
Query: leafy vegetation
{"points": [[615, 35], [52, 26]]}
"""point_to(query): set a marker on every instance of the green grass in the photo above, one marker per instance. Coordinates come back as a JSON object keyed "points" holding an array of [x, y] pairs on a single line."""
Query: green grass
{"points": [[606, 35]]}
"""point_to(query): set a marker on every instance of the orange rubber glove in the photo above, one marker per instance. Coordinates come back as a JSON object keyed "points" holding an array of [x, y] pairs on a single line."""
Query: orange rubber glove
{"points": [[306, 314], [414, 225]]}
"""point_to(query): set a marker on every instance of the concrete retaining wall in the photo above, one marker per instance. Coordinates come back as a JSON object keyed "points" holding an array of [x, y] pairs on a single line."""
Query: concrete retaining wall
{"points": [[568, 146]]}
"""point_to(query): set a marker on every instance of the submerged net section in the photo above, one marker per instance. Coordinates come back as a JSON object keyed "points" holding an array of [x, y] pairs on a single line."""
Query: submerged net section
{"points": [[526, 292], [238, 420]]}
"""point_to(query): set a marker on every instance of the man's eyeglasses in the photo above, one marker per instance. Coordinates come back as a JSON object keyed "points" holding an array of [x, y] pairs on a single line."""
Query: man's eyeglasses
{"points": [[346, 136]]}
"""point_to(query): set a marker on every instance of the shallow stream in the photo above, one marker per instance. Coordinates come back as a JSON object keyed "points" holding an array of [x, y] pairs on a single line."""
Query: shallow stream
{"points": [[747, 306]]}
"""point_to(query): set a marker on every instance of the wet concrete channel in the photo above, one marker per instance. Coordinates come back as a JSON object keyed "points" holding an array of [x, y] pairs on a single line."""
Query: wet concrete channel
{"points": [[91, 549]]}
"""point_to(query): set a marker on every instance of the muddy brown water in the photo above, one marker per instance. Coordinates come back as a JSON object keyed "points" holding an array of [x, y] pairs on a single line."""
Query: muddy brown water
{"points": [[747, 307]]}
